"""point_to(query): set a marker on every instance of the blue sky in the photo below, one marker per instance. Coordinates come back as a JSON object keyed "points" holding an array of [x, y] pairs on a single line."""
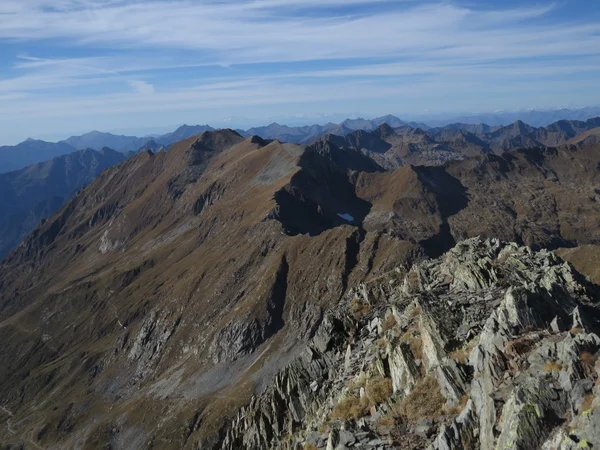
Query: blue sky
{"points": [[70, 66]]}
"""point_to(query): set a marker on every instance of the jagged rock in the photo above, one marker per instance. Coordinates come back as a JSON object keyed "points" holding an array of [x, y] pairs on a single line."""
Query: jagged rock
{"points": [[559, 440], [460, 434], [425, 429], [149, 341], [531, 413], [488, 318], [236, 339], [346, 438], [403, 370], [452, 381], [333, 440]]}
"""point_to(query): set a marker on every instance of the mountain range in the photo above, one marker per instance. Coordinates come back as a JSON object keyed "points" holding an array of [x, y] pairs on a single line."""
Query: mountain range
{"points": [[36, 192], [33, 151], [232, 292], [394, 147], [535, 117]]}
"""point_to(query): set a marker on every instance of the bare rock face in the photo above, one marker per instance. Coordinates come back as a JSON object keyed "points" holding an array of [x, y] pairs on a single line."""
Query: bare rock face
{"points": [[491, 346]]}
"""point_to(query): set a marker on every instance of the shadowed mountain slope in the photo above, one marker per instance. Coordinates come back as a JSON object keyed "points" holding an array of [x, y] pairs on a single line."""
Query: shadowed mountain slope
{"points": [[37, 191]]}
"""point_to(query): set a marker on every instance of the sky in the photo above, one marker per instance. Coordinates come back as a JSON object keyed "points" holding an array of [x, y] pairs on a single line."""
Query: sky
{"points": [[72, 66]]}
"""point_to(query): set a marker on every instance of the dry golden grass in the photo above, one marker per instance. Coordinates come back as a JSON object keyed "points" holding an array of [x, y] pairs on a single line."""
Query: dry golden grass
{"points": [[389, 323], [352, 407], [357, 383], [379, 389], [588, 359], [359, 308], [424, 402], [413, 338], [308, 446], [552, 366], [587, 402], [588, 362], [385, 423], [521, 345], [324, 427], [413, 281], [576, 330], [461, 354], [415, 311], [381, 343], [456, 409]]}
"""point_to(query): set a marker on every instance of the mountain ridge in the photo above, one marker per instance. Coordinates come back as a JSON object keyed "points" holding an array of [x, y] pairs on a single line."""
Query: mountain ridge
{"points": [[390, 148], [514, 135]]}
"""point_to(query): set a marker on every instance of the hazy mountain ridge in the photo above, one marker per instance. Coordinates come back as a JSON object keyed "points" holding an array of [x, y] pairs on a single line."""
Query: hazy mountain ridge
{"points": [[395, 147], [537, 118], [31, 151], [96, 140], [36, 192]]}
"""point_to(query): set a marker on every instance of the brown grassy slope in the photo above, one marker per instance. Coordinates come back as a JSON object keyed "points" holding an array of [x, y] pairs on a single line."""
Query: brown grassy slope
{"points": [[586, 259], [589, 138], [541, 197]]}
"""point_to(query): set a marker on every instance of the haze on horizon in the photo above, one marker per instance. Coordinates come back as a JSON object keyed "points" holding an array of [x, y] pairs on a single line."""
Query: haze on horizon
{"points": [[72, 66]]}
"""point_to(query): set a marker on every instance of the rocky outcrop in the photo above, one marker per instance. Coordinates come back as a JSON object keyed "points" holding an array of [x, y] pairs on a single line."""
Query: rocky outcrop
{"points": [[491, 346]]}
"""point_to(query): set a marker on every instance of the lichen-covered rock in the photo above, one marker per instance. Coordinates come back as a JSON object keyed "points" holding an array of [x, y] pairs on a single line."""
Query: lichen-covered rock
{"points": [[532, 411]]}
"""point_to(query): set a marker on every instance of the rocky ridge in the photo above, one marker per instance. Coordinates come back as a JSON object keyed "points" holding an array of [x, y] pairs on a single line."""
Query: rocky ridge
{"points": [[491, 346]]}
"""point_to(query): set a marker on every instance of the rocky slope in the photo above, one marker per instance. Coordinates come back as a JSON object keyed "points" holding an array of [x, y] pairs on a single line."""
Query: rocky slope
{"points": [[491, 346], [164, 296]]}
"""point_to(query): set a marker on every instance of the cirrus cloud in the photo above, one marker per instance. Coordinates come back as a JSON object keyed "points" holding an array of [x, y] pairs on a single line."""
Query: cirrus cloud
{"points": [[103, 60]]}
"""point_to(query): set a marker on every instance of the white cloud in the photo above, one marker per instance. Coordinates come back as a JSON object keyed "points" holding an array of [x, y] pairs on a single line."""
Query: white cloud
{"points": [[271, 30], [141, 87]]}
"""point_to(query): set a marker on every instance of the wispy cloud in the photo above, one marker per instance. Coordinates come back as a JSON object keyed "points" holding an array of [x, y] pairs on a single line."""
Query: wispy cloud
{"points": [[123, 56], [142, 87], [268, 30]]}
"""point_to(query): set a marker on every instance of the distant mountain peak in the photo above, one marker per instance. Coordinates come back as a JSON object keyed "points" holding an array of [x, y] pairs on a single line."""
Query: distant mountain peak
{"points": [[384, 130]]}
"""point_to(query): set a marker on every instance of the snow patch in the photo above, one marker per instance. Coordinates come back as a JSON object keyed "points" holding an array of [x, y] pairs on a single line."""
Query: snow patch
{"points": [[346, 217]]}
